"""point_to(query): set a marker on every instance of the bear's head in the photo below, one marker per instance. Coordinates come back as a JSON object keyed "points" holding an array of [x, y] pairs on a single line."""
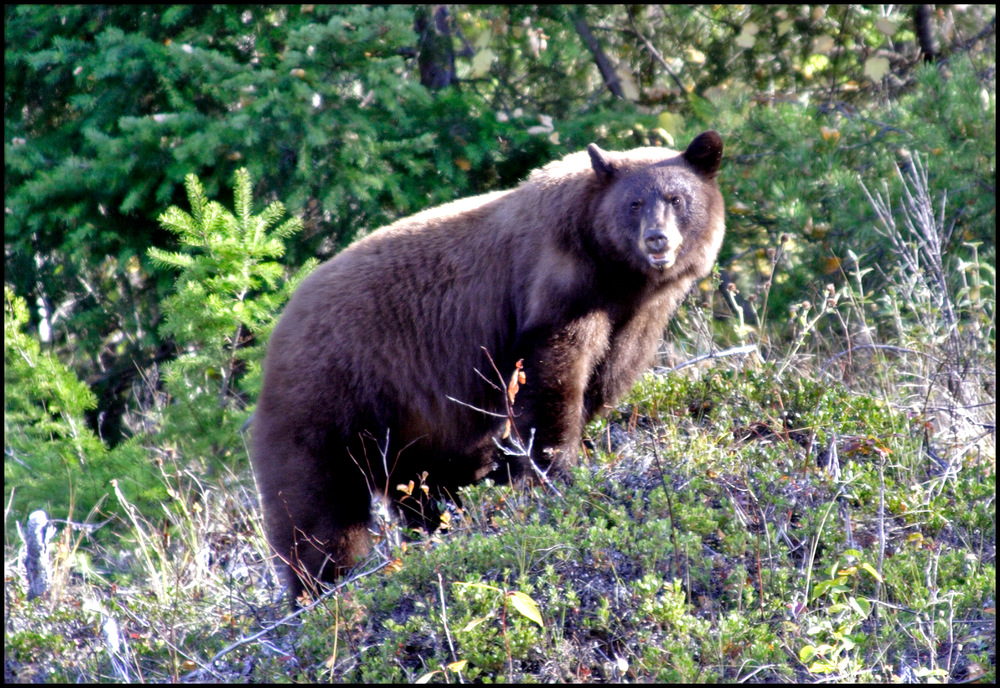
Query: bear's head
{"points": [[660, 212]]}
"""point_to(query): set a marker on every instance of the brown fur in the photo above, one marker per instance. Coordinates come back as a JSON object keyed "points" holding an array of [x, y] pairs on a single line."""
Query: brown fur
{"points": [[576, 271]]}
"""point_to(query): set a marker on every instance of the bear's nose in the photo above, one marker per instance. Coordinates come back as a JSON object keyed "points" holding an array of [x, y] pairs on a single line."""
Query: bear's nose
{"points": [[656, 241]]}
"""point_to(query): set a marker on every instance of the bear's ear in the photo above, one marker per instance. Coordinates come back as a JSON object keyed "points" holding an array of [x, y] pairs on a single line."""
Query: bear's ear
{"points": [[602, 163], [705, 153]]}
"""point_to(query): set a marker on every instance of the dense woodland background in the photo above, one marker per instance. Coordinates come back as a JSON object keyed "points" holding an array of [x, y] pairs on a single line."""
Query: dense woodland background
{"points": [[823, 506]]}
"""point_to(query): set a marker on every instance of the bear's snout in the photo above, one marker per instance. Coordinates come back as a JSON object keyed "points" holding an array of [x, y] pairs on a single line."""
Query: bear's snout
{"points": [[662, 244], [656, 241]]}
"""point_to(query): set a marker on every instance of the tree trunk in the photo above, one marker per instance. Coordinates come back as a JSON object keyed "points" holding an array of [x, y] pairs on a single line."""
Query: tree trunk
{"points": [[922, 15], [603, 63], [436, 56]]}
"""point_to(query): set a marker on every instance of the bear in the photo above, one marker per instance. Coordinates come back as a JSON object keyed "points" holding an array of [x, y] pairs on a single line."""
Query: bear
{"points": [[388, 363]]}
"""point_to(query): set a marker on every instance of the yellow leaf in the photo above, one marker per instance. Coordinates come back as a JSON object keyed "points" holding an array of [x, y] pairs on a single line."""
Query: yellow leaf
{"points": [[463, 164], [482, 61], [516, 379], [870, 569], [876, 68], [746, 40], [472, 624], [748, 35], [829, 135], [483, 39], [695, 55], [886, 26], [823, 44], [526, 606], [629, 88], [458, 666]]}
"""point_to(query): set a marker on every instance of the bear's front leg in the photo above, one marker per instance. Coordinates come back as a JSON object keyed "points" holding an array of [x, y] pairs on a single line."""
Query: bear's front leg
{"points": [[558, 366]]}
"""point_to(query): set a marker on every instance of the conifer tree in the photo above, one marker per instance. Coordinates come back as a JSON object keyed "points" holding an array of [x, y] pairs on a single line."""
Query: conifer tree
{"points": [[227, 295]]}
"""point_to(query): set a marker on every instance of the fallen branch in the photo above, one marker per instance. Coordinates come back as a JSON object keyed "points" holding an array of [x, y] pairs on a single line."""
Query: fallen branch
{"points": [[735, 351]]}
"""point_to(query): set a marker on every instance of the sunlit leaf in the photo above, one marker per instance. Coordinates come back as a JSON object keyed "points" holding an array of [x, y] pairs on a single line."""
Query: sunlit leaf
{"points": [[746, 40], [871, 569], [861, 606], [694, 55], [876, 68], [823, 44], [526, 606], [472, 624], [625, 78], [886, 26], [482, 61], [516, 380], [815, 63]]}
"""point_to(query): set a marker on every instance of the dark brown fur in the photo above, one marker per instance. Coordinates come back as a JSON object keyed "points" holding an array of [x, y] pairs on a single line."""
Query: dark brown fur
{"points": [[576, 271]]}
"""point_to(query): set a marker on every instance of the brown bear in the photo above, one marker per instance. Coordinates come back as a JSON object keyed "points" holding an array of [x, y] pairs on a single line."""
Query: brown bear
{"points": [[381, 369]]}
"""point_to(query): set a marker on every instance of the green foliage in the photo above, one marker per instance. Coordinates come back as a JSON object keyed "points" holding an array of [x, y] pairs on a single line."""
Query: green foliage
{"points": [[836, 634], [228, 294], [798, 232], [52, 460]]}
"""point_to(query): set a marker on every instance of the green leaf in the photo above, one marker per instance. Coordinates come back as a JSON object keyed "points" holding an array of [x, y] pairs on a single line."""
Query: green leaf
{"points": [[861, 606]]}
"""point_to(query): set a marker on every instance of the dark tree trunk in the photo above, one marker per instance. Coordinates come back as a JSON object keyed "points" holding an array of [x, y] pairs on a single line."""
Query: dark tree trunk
{"points": [[922, 15], [436, 56], [603, 63]]}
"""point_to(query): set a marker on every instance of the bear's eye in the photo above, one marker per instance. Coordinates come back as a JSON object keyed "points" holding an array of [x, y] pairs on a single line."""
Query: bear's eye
{"points": [[635, 206], [675, 201]]}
